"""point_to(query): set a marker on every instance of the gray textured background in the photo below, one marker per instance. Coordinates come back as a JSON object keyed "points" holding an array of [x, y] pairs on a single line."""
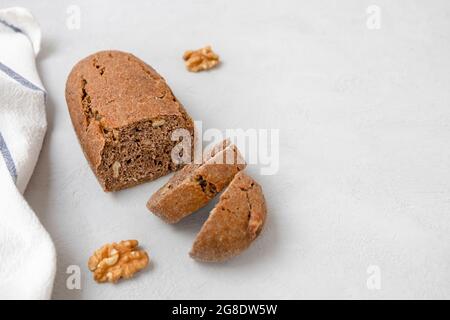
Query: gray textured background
{"points": [[364, 173]]}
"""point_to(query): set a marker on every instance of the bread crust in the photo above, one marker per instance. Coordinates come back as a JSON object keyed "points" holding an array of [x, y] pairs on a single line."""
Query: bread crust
{"points": [[112, 90], [195, 185], [234, 223]]}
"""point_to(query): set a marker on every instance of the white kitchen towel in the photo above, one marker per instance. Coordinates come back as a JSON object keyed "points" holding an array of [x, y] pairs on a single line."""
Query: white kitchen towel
{"points": [[27, 254]]}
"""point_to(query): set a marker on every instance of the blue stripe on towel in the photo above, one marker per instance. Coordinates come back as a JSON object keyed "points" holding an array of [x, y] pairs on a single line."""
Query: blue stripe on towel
{"points": [[12, 27], [8, 159], [17, 77]]}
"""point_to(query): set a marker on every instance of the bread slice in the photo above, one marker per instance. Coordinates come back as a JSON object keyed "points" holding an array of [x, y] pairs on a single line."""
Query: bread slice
{"points": [[124, 114], [195, 185], [234, 223]]}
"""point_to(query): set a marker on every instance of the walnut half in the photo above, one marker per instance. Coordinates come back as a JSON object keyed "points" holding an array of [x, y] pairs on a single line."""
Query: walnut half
{"points": [[117, 260], [201, 59]]}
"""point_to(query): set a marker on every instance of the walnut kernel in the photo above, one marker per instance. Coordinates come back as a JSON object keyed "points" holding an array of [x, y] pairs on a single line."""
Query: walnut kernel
{"points": [[117, 260], [158, 122], [201, 59], [116, 166]]}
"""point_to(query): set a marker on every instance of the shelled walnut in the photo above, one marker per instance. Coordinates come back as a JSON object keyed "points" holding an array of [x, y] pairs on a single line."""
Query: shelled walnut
{"points": [[201, 59], [117, 260]]}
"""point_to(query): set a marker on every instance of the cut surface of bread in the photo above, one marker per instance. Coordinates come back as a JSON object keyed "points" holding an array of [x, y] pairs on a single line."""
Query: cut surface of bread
{"points": [[196, 184], [234, 223], [124, 114]]}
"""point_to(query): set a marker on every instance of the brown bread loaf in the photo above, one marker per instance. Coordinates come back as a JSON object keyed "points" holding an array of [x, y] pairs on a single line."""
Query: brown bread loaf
{"points": [[124, 113]]}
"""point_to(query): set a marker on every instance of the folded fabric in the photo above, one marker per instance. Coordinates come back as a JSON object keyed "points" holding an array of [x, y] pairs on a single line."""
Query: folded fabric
{"points": [[27, 254]]}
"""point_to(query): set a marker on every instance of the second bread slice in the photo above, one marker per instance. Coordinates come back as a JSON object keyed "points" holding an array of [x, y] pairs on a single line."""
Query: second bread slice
{"points": [[234, 223]]}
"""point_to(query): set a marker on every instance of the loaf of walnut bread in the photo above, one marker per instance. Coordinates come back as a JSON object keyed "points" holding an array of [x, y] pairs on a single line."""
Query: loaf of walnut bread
{"points": [[124, 114], [195, 185]]}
